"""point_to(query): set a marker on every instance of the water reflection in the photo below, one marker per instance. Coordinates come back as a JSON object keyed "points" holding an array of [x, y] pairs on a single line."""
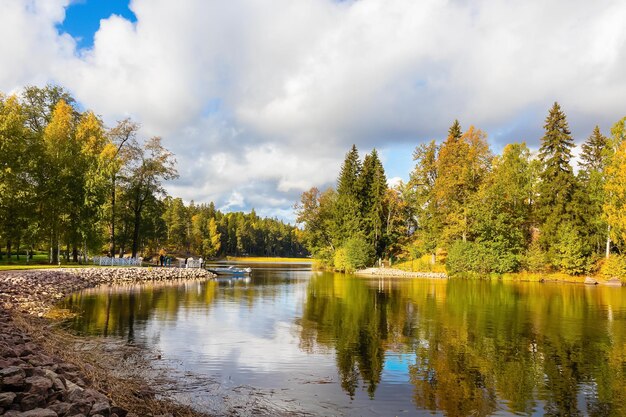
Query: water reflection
{"points": [[451, 347]]}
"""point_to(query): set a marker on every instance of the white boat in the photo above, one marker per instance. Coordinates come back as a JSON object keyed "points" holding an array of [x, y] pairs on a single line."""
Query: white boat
{"points": [[231, 270]]}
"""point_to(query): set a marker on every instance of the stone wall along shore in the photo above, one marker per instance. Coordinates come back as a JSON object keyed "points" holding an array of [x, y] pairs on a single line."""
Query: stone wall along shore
{"points": [[36, 291]]}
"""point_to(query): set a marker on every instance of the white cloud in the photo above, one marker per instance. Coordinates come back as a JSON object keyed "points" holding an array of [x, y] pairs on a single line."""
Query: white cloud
{"points": [[263, 100]]}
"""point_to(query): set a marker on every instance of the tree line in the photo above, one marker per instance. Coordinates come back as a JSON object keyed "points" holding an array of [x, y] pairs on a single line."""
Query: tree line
{"points": [[72, 186], [479, 212]]}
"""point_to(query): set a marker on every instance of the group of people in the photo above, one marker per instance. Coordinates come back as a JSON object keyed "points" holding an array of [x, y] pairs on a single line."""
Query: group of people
{"points": [[166, 260]]}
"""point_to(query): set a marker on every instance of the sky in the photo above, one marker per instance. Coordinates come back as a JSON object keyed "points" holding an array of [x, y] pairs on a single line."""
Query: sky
{"points": [[261, 100]]}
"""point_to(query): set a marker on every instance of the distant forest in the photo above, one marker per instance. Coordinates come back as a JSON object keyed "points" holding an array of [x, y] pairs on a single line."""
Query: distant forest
{"points": [[71, 186], [472, 211]]}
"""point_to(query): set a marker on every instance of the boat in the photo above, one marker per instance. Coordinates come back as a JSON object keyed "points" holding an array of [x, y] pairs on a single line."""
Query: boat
{"points": [[231, 270]]}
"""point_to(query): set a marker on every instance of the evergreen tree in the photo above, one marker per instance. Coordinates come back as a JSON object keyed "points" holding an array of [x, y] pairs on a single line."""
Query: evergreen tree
{"points": [[348, 217], [558, 184], [372, 186], [347, 183]]}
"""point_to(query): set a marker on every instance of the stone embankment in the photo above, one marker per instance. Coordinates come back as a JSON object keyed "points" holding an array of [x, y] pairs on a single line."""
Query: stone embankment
{"points": [[36, 291], [35, 384], [391, 272]]}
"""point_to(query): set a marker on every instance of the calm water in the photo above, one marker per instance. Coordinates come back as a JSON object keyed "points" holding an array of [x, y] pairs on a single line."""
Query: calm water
{"points": [[292, 340]]}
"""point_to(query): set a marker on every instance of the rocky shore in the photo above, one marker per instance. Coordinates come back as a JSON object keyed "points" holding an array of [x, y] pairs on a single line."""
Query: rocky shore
{"points": [[391, 272], [35, 382]]}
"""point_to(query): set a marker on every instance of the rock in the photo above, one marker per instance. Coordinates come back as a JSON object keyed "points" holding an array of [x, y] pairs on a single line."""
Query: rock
{"points": [[38, 385], [60, 408], [120, 412], [6, 351], [590, 281], [81, 407], [614, 282], [101, 408], [31, 401], [39, 412], [6, 399], [13, 378]]}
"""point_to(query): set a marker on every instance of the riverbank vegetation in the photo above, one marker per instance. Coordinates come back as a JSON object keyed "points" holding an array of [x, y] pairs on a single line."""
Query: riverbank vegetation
{"points": [[71, 186], [474, 211]]}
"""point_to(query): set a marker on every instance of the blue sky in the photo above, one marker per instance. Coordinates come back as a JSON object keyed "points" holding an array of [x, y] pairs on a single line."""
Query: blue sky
{"points": [[82, 18], [261, 103]]}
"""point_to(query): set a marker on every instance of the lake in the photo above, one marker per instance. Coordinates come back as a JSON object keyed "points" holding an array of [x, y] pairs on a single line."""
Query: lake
{"points": [[293, 341]]}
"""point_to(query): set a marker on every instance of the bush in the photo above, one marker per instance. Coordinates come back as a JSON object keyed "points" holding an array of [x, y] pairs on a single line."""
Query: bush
{"points": [[340, 261], [614, 267], [480, 257], [571, 252], [535, 259], [358, 253]]}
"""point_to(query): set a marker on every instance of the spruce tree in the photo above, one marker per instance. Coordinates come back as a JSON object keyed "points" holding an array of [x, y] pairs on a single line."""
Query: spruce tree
{"points": [[558, 184], [349, 175], [372, 187], [348, 217]]}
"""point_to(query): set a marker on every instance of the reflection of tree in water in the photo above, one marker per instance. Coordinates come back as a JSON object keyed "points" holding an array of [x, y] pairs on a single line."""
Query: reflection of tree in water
{"points": [[346, 315], [479, 346], [117, 312], [491, 342]]}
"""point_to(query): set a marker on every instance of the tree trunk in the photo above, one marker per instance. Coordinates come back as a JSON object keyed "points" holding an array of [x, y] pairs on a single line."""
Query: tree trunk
{"points": [[608, 242], [75, 254], [8, 249], [17, 251], [112, 221]]}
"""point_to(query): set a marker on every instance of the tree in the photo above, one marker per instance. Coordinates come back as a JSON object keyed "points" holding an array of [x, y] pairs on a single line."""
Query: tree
{"points": [[502, 208], [123, 137], [558, 184], [55, 186], [348, 207], [17, 197], [615, 187], [142, 179], [212, 242], [425, 218], [90, 181], [372, 187], [594, 158], [461, 166]]}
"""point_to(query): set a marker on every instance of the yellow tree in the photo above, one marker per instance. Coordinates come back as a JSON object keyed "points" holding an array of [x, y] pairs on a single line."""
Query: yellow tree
{"points": [[213, 242], [615, 187], [462, 164], [90, 174], [56, 184]]}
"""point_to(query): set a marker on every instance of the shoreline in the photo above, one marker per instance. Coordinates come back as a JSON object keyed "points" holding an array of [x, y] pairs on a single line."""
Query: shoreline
{"points": [[510, 277], [47, 372], [399, 273]]}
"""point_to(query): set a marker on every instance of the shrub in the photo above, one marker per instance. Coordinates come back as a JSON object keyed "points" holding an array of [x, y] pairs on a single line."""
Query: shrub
{"points": [[614, 267], [358, 253]]}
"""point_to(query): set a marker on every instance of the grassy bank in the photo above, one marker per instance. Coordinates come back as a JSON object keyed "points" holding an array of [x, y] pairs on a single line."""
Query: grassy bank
{"points": [[268, 260]]}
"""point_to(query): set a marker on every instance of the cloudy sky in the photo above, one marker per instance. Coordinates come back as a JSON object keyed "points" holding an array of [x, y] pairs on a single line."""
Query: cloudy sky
{"points": [[260, 100]]}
